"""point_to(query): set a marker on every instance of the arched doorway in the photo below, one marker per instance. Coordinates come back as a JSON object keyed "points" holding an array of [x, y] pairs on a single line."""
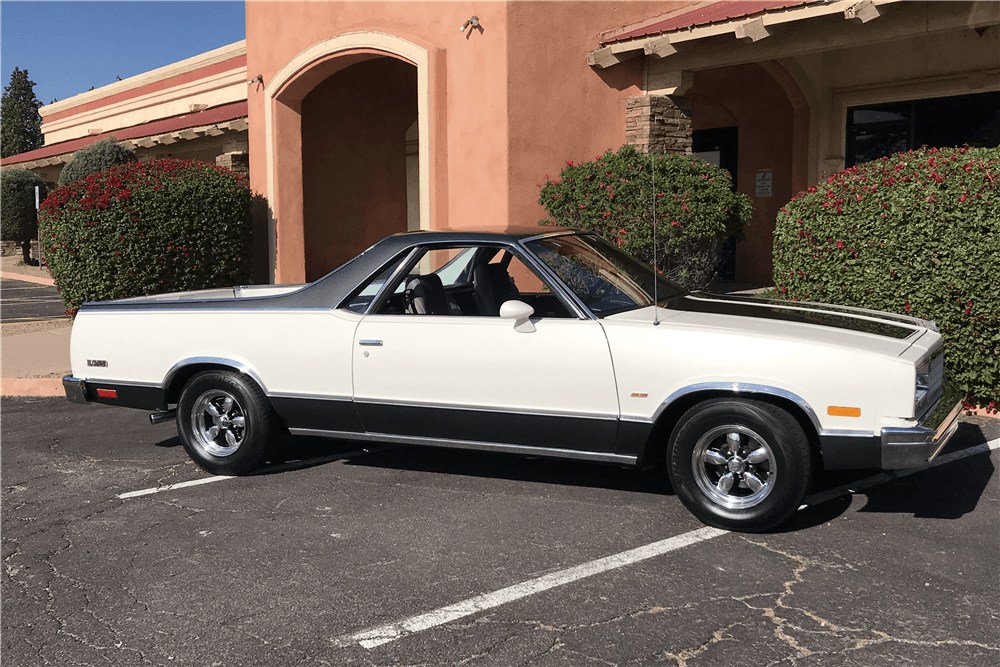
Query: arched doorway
{"points": [[354, 162], [769, 119], [347, 148]]}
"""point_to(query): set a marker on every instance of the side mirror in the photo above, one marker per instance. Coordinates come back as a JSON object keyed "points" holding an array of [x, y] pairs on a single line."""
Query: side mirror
{"points": [[520, 312]]}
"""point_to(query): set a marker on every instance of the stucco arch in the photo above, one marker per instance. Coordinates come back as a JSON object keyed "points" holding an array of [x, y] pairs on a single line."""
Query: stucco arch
{"points": [[283, 95]]}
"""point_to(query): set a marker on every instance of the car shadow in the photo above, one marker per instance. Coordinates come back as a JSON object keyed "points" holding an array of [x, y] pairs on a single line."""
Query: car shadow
{"points": [[305, 452], [948, 490], [490, 465], [168, 443], [944, 492]]}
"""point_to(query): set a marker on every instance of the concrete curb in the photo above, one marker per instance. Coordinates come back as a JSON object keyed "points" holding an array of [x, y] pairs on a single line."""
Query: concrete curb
{"points": [[38, 280], [43, 387]]}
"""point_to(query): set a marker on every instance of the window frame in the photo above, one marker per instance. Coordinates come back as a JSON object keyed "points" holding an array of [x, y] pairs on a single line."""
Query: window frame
{"points": [[417, 252]]}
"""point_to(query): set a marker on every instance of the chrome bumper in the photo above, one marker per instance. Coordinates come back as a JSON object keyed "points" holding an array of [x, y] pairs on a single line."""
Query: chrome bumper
{"points": [[914, 446], [76, 390]]}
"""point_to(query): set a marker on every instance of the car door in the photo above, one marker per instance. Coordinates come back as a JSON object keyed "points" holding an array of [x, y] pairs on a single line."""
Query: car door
{"points": [[475, 380]]}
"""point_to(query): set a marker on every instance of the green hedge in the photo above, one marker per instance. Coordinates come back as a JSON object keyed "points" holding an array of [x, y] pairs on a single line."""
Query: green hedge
{"points": [[97, 157], [17, 214], [146, 228], [915, 233], [696, 209]]}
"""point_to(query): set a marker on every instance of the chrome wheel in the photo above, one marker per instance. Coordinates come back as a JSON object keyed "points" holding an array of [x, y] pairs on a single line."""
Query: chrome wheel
{"points": [[218, 423], [734, 466]]}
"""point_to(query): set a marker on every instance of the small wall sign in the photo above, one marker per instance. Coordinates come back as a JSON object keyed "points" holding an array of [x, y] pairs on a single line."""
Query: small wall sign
{"points": [[764, 182]]}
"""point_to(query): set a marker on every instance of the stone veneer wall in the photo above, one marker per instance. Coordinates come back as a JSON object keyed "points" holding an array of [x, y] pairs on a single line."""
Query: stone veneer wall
{"points": [[237, 161], [658, 124], [12, 248]]}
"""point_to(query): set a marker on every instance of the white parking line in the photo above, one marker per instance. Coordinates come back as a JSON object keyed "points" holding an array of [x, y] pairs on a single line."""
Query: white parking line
{"points": [[393, 631], [291, 465], [169, 487]]}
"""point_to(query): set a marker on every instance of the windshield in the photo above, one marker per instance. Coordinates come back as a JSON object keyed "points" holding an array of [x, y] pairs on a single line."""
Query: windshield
{"points": [[604, 278]]}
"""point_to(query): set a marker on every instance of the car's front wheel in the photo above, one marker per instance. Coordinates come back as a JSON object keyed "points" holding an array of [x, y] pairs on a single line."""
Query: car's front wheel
{"points": [[225, 422], [741, 465]]}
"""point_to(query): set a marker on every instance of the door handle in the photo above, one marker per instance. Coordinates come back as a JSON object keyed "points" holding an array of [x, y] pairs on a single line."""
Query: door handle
{"points": [[370, 343]]}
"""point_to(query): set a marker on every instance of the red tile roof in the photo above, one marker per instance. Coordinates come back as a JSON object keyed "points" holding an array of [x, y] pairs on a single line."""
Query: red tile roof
{"points": [[207, 117], [714, 12]]}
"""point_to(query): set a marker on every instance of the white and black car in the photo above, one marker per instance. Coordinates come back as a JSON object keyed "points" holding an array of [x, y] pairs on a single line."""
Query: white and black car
{"points": [[542, 342]]}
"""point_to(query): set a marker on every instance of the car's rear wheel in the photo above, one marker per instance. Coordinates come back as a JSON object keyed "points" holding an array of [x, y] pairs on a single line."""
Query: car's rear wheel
{"points": [[741, 465], [225, 422]]}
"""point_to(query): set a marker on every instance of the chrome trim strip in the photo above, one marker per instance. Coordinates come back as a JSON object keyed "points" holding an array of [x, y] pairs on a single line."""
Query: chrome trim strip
{"points": [[370, 343], [208, 311], [635, 420], [221, 361], [471, 444], [843, 433], [312, 397], [740, 388], [122, 383], [476, 408]]}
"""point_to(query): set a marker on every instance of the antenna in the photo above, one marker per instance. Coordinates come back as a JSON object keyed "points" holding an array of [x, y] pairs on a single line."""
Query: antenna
{"points": [[656, 307]]}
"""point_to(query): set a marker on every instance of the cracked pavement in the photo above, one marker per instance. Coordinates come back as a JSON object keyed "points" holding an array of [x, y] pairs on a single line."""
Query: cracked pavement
{"points": [[275, 568]]}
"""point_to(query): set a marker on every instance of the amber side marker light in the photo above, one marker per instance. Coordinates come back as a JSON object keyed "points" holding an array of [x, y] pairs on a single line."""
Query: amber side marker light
{"points": [[107, 393], [837, 411]]}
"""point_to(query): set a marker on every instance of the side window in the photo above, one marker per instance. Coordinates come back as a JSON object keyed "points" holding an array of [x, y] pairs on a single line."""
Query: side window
{"points": [[472, 281], [531, 290], [364, 295], [439, 283]]}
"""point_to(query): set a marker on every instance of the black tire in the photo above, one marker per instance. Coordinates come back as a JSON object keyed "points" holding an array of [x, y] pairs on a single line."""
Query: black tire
{"points": [[739, 464], [225, 422]]}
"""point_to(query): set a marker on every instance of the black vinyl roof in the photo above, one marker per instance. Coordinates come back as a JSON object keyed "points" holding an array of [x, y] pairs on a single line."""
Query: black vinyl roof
{"points": [[330, 290]]}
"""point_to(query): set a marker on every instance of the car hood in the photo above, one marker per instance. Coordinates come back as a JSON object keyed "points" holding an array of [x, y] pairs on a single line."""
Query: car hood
{"points": [[830, 324]]}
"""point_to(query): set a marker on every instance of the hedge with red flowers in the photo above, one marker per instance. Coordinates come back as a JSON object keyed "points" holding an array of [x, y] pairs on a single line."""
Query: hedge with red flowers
{"points": [[696, 209], [915, 233], [146, 228]]}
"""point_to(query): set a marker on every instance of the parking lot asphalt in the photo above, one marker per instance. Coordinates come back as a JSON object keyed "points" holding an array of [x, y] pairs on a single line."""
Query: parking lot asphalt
{"points": [[22, 301], [110, 558]]}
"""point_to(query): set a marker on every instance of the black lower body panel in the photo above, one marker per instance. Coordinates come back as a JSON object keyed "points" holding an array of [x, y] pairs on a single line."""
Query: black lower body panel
{"points": [[568, 432], [321, 414], [850, 453]]}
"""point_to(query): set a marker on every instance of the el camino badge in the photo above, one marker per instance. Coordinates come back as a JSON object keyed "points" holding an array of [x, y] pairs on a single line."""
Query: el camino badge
{"points": [[99, 363]]}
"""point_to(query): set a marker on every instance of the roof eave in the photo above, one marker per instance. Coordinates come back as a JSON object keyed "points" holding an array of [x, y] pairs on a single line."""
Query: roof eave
{"points": [[748, 28]]}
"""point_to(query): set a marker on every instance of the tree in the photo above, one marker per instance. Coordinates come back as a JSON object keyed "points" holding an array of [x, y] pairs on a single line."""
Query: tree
{"points": [[18, 221], [21, 123], [95, 158], [696, 209]]}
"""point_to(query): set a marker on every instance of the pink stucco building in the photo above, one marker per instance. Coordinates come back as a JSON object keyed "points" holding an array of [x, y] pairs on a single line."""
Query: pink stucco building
{"points": [[368, 118]]}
